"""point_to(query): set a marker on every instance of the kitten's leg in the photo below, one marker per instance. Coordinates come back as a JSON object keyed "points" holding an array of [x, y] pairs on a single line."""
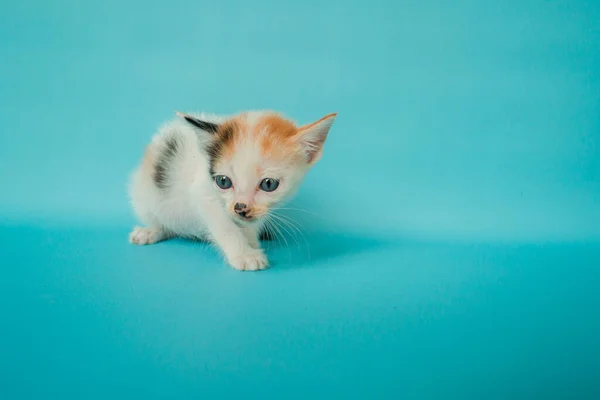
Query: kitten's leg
{"points": [[235, 245], [251, 233], [150, 235]]}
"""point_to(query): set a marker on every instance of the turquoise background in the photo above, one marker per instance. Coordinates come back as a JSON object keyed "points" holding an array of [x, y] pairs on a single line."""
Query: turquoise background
{"points": [[451, 242]]}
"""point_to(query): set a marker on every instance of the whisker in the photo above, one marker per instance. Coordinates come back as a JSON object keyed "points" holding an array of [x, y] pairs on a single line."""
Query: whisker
{"points": [[269, 231], [295, 226], [292, 221], [298, 209], [275, 226], [286, 227], [322, 219]]}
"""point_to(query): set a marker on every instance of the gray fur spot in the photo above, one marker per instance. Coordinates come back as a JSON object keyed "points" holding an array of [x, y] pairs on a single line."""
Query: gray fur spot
{"points": [[215, 148], [161, 169]]}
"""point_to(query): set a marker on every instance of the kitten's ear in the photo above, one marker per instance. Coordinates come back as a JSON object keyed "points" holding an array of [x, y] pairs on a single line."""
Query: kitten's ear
{"points": [[209, 127], [312, 137]]}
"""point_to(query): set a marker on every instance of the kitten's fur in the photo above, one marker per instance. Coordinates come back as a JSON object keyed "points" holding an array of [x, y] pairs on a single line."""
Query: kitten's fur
{"points": [[174, 191]]}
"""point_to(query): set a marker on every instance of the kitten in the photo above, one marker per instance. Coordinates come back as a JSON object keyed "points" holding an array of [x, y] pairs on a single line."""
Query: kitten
{"points": [[215, 178]]}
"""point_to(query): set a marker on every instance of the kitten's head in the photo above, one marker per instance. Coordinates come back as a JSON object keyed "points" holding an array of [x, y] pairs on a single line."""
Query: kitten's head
{"points": [[258, 159]]}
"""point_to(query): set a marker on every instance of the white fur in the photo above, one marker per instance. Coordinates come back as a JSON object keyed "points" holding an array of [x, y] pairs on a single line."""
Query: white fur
{"points": [[193, 206]]}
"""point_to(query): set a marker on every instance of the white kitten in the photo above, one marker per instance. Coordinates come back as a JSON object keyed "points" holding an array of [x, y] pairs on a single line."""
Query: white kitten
{"points": [[216, 178]]}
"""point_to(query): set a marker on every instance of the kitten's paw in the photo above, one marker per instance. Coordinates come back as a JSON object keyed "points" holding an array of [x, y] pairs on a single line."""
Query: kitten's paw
{"points": [[143, 236], [250, 260]]}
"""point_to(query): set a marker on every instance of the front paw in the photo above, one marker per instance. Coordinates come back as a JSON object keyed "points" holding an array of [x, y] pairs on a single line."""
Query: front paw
{"points": [[250, 260]]}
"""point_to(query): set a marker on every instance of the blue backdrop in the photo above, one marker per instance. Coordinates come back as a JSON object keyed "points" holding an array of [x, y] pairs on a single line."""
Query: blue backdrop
{"points": [[451, 244]]}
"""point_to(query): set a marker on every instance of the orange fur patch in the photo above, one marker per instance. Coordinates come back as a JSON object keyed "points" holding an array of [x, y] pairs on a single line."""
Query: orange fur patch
{"points": [[272, 133], [274, 125]]}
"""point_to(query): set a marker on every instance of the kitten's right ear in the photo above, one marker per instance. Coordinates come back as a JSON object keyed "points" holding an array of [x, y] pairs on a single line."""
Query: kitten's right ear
{"points": [[209, 127], [312, 137]]}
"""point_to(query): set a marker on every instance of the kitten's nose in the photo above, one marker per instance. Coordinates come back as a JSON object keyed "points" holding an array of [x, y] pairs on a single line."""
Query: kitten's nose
{"points": [[241, 209]]}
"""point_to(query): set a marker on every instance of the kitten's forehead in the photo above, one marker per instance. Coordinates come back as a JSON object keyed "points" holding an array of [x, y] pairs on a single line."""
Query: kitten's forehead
{"points": [[269, 131], [255, 140]]}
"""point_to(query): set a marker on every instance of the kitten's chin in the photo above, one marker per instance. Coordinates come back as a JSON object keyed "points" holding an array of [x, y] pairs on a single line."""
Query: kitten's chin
{"points": [[246, 221]]}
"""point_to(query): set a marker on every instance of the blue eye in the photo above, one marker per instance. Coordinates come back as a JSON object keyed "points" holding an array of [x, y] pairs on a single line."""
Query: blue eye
{"points": [[223, 182], [269, 184]]}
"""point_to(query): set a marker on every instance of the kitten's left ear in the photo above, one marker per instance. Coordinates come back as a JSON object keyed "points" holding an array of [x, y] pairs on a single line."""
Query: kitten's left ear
{"points": [[312, 137], [209, 127]]}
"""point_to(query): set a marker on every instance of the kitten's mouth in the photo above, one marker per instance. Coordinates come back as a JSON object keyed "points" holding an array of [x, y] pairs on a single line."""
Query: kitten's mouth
{"points": [[246, 215], [244, 218]]}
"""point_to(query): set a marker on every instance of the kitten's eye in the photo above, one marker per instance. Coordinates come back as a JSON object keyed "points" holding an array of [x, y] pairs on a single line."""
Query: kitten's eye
{"points": [[269, 184], [223, 182]]}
